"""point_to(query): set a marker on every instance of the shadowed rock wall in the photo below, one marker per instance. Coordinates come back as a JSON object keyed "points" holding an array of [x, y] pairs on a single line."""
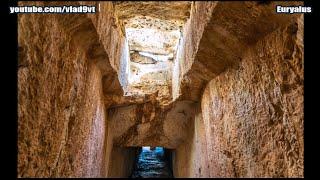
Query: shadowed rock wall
{"points": [[190, 158], [122, 162]]}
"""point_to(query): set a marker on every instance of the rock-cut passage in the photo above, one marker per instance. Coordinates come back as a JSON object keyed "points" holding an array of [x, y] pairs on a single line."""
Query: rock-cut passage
{"points": [[216, 87], [152, 163]]}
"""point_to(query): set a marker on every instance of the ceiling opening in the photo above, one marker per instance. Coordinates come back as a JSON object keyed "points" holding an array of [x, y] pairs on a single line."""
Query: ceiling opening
{"points": [[153, 32], [153, 44], [151, 51]]}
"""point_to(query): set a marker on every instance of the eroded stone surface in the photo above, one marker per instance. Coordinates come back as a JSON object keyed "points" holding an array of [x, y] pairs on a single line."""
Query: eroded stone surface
{"points": [[154, 41], [61, 111], [232, 27], [149, 124], [253, 114], [256, 111], [161, 10], [76, 120]]}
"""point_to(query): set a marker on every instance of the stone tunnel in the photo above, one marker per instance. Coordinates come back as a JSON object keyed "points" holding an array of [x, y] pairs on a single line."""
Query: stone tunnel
{"points": [[214, 88]]}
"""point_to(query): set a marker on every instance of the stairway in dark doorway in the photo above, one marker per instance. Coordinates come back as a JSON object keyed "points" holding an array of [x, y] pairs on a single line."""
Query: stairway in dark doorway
{"points": [[152, 163]]}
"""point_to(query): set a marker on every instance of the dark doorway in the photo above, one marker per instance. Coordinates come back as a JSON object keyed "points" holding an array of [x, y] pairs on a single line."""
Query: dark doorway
{"points": [[153, 162]]}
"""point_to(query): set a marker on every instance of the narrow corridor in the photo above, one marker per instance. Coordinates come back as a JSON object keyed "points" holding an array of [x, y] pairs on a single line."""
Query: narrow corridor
{"points": [[215, 88], [151, 163]]}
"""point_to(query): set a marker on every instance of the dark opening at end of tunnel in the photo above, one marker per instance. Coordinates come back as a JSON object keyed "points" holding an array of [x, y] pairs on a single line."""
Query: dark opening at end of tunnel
{"points": [[153, 162]]}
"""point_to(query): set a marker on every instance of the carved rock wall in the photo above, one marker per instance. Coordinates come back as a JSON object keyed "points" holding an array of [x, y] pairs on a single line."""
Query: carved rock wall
{"points": [[237, 85], [61, 112], [252, 115]]}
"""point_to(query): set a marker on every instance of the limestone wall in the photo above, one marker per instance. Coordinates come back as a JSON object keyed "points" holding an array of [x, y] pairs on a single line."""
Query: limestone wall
{"points": [[252, 115], [61, 112], [236, 110]]}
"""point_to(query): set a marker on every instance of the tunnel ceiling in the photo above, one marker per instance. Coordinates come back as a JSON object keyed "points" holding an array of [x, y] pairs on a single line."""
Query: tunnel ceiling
{"points": [[163, 20], [163, 10]]}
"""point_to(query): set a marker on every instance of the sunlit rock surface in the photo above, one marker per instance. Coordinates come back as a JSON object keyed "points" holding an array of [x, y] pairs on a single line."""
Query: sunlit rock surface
{"points": [[220, 84]]}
